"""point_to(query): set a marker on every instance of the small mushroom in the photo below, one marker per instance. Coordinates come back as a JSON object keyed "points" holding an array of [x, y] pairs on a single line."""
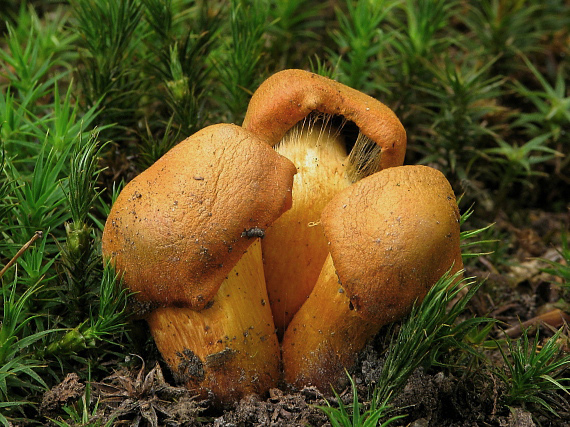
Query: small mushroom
{"points": [[306, 116], [175, 235], [392, 236]]}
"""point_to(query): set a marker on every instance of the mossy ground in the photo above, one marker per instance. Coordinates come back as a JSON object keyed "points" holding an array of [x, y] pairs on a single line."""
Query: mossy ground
{"points": [[93, 92]]}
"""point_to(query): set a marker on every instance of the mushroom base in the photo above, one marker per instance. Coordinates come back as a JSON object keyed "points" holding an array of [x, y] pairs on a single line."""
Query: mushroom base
{"points": [[229, 349]]}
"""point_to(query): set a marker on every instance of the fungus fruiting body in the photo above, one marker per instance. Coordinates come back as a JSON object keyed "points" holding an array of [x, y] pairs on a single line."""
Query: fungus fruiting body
{"points": [[288, 228], [392, 236], [178, 243]]}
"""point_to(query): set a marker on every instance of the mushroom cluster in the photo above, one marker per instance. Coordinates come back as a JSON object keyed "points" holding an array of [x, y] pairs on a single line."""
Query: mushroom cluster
{"points": [[275, 250]]}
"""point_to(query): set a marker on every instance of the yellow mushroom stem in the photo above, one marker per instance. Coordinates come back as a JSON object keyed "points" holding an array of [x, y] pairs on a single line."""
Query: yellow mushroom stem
{"points": [[228, 349], [324, 338], [295, 247]]}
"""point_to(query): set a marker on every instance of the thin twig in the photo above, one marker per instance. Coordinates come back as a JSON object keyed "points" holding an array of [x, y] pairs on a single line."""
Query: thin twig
{"points": [[555, 318], [23, 249]]}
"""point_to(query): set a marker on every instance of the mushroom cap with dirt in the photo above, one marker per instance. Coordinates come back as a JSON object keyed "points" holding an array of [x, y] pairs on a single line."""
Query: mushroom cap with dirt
{"points": [[392, 235], [335, 135], [178, 235]]}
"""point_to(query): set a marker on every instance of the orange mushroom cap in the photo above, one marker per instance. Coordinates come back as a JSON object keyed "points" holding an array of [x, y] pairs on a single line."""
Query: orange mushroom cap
{"points": [[392, 236], [291, 95], [177, 229]]}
